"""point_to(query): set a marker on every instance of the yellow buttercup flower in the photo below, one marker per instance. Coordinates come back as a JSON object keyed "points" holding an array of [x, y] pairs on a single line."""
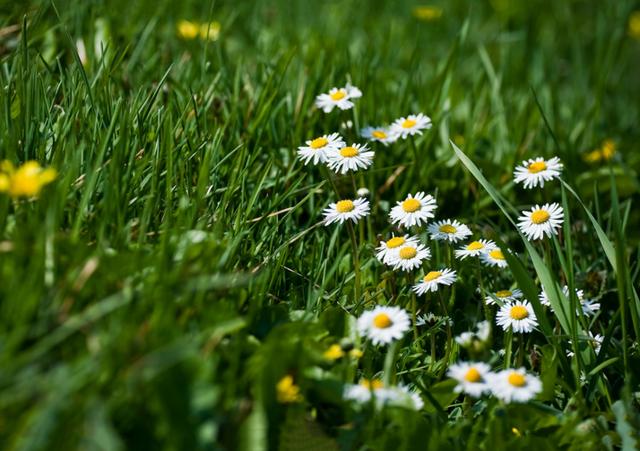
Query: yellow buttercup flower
{"points": [[192, 30], [287, 391], [26, 180], [606, 152], [634, 25], [427, 12], [334, 352]]}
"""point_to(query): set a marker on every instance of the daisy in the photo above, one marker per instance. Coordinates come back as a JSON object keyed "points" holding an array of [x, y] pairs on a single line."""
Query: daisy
{"points": [[475, 248], [534, 172], [319, 149], [410, 125], [410, 257], [380, 134], [414, 210], [589, 306], [518, 315], [388, 250], [505, 296], [481, 334], [346, 209], [400, 396], [363, 391], [448, 230], [514, 385], [494, 258], [350, 158], [595, 341], [382, 325], [541, 221], [472, 377], [338, 97], [433, 279]]}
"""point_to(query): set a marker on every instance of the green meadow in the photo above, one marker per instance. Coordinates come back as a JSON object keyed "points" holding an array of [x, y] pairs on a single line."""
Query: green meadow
{"points": [[168, 279]]}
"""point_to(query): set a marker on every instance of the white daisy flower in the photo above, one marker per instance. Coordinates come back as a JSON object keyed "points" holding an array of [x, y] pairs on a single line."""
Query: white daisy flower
{"points": [[350, 158], [433, 279], [448, 230], [481, 334], [589, 306], [514, 385], [410, 257], [400, 396], [388, 250], [363, 192], [382, 325], [534, 172], [472, 377], [380, 134], [595, 341], [410, 125], [317, 150], [541, 221], [414, 210], [431, 319], [494, 258], [506, 296], [338, 97], [363, 391], [518, 315], [475, 248], [346, 209]]}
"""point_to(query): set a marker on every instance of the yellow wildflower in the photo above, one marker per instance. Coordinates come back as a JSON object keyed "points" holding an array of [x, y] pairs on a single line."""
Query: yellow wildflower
{"points": [[634, 25], [605, 152], [192, 30], [25, 181], [287, 391], [427, 12], [334, 352]]}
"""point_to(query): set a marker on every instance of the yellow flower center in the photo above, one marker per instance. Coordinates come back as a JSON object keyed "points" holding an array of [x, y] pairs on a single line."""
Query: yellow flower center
{"points": [[432, 275], [338, 95], [349, 152], [447, 228], [379, 134], [518, 312], [408, 123], [537, 166], [475, 246], [382, 321], [472, 375], [394, 242], [408, 252], [504, 293], [496, 254], [319, 142], [517, 379], [373, 384], [344, 206], [539, 216], [411, 205]]}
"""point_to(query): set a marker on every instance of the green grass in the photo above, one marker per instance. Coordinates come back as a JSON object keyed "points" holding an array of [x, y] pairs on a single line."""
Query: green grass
{"points": [[156, 292]]}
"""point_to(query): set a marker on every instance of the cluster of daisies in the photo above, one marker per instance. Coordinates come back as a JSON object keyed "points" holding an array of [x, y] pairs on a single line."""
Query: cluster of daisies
{"points": [[406, 252]]}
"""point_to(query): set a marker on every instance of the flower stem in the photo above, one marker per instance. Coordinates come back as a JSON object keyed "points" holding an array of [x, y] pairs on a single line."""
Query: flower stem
{"points": [[356, 261]]}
